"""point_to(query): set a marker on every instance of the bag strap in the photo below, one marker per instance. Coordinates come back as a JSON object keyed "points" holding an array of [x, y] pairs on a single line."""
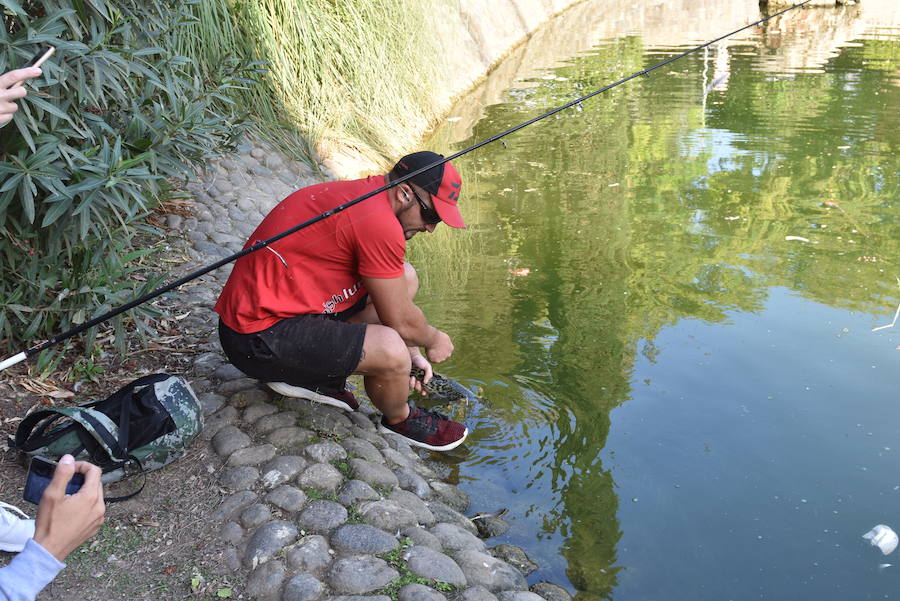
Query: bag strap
{"points": [[96, 424], [128, 389]]}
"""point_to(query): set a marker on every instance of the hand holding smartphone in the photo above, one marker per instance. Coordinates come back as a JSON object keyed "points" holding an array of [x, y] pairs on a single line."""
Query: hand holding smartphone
{"points": [[40, 473]]}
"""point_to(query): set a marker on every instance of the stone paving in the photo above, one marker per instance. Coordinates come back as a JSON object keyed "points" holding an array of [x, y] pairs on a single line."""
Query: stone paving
{"points": [[320, 505]]}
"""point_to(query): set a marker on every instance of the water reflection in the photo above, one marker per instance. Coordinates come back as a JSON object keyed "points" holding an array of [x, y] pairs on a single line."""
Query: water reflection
{"points": [[653, 294]]}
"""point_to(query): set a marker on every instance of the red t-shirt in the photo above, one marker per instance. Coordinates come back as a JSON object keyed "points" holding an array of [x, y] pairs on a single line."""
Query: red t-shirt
{"points": [[318, 269]]}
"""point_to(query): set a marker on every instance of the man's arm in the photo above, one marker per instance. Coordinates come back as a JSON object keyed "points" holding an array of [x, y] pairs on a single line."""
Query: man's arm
{"points": [[395, 310]]}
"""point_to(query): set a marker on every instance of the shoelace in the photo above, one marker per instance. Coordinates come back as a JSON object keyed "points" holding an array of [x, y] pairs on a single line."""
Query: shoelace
{"points": [[14, 508], [431, 416]]}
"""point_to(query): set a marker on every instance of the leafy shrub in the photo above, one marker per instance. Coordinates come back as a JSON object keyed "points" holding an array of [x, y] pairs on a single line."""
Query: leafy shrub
{"points": [[116, 114]]}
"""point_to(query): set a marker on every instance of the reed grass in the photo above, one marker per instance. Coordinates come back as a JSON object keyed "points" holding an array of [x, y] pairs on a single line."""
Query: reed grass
{"points": [[354, 72]]}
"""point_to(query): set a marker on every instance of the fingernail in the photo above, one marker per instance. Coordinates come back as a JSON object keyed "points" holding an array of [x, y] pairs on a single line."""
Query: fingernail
{"points": [[67, 459]]}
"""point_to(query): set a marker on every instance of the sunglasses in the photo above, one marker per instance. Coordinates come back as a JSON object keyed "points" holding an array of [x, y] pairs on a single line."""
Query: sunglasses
{"points": [[429, 215]]}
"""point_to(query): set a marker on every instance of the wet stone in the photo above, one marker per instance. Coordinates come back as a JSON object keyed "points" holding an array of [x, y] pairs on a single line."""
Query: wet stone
{"points": [[373, 474], [419, 592], [233, 504], [413, 482], [444, 513], [455, 538], [550, 591], [359, 575], [362, 539], [239, 478], [228, 440], [223, 417], [410, 501], [354, 491], [477, 593], [227, 371], [321, 476], [230, 387], [267, 541], [514, 556], [387, 515], [322, 516], [311, 555], [490, 572], [264, 583], [325, 452], [422, 537], [316, 416], [287, 498], [362, 448], [270, 423], [489, 527], [518, 596], [254, 412], [289, 437], [397, 459], [252, 455], [451, 495], [437, 470], [210, 402], [428, 563], [282, 469], [255, 515], [303, 587], [231, 533]]}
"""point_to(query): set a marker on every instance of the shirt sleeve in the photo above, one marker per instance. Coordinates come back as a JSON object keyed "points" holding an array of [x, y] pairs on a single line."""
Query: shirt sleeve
{"points": [[28, 573], [380, 248]]}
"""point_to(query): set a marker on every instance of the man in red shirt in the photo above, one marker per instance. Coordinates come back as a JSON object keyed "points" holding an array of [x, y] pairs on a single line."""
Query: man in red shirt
{"points": [[336, 298]]}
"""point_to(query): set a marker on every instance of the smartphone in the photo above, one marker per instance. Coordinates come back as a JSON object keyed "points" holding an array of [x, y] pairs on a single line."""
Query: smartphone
{"points": [[41, 56], [40, 472]]}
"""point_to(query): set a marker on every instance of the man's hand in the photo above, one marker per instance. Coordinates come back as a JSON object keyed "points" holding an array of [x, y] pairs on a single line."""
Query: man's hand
{"points": [[11, 90], [419, 361], [65, 521], [440, 348]]}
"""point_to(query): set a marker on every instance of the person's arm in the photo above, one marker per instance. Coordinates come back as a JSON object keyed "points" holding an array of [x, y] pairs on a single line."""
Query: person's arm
{"points": [[28, 573], [65, 521], [12, 90], [396, 310]]}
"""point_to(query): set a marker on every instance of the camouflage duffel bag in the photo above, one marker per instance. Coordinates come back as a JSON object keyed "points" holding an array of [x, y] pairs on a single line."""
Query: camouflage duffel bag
{"points": [[147, 424]]}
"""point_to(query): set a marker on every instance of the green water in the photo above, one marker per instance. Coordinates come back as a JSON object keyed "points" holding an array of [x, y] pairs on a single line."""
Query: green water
{"points": [[678, 401]]}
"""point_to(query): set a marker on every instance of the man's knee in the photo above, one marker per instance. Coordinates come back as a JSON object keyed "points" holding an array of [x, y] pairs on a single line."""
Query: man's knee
{"points": [[384, 352]]}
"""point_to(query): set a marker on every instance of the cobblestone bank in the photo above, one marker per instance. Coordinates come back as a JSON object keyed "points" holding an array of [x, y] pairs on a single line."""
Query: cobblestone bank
{"points": [[321, 506]]}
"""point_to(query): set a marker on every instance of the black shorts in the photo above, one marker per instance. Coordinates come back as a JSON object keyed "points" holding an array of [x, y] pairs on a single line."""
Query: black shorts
{"points": [[313, 351]]}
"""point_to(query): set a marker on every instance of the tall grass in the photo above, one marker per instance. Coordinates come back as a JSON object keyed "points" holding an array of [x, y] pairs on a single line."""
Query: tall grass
{"points": [[349, 72]]}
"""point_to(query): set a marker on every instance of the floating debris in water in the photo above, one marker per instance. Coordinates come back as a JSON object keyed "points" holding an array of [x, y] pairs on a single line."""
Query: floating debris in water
{"points": [[883, 537], [798, 238], [520, 272], [453, 119], [613, 185], [732, 218], [530, 190]]}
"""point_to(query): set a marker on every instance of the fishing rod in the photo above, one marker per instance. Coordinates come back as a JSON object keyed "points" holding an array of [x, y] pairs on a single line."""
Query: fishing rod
{"points": [[37, 348]]}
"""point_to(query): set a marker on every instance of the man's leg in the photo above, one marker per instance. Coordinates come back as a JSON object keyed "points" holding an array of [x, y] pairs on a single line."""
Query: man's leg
{"points": [[385, 363]]}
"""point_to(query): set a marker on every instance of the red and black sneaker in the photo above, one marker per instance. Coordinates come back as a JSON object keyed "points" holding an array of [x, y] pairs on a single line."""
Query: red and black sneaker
{"points": [[428, 429], [342, 400]]}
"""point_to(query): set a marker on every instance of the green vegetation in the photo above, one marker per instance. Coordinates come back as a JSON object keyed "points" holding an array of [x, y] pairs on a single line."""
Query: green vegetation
{"points": [[395, 559], [336, 71], [89, 154]]}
